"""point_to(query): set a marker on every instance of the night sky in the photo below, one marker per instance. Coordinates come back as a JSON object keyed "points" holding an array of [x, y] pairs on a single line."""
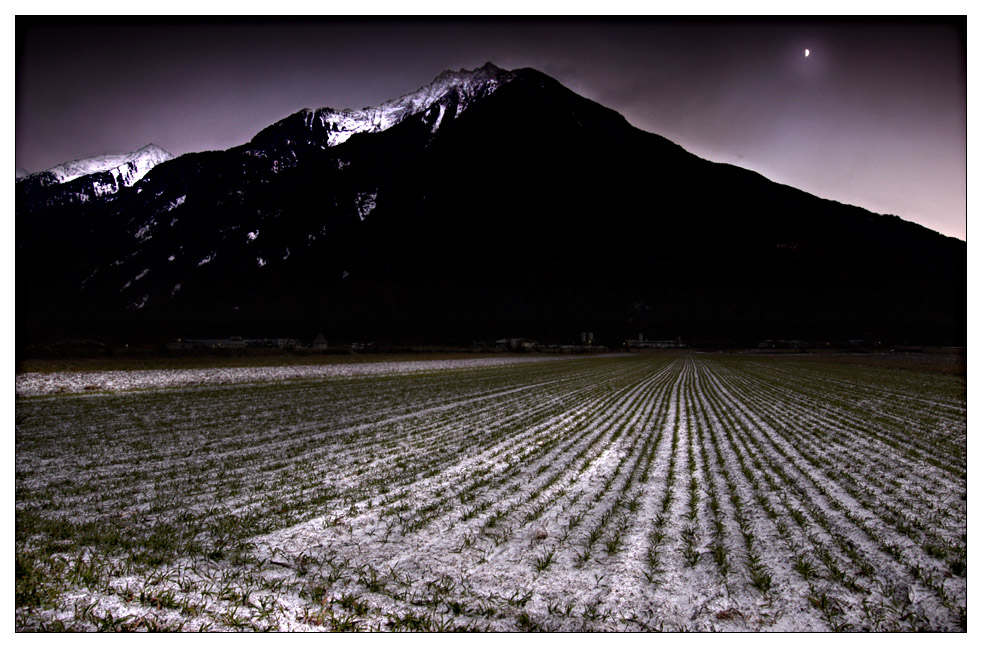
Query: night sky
{"points": [[875, 115]]}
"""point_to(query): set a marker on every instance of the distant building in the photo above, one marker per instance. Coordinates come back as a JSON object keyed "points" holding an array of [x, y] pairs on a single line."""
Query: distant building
{"points": [[320, 342]]}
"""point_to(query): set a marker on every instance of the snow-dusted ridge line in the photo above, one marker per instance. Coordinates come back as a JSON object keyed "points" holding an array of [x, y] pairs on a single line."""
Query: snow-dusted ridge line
{"points": [[463, 85], [129, 167]]}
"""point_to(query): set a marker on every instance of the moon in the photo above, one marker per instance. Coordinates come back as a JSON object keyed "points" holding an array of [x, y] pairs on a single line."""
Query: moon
{"points": [[807, 52]]}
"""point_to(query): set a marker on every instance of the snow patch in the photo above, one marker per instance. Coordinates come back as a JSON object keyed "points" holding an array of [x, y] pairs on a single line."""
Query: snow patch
{"points": [[207, 259], [285, 163], [439, 118], [143, 232], [86, 280], [365, 203], [174, 204], [136, 278]]}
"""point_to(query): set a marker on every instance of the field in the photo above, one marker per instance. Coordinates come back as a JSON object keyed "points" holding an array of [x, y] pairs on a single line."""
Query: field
{"points": [[687, 492]]}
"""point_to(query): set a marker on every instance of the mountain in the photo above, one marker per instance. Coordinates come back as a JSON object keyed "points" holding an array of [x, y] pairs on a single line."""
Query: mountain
{"points": [[489, 203], [89, 178]]}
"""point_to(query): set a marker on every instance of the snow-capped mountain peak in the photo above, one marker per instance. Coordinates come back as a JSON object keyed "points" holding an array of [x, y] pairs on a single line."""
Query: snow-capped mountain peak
{"points": [[458, 87], [130, 167]]}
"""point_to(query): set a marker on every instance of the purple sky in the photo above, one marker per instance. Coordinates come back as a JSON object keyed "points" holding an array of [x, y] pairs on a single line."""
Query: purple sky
{"points": [[875, 116]]}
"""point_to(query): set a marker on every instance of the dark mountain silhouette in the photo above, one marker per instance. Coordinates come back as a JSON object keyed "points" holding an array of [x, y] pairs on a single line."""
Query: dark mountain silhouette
{"points": [[489, 203]]}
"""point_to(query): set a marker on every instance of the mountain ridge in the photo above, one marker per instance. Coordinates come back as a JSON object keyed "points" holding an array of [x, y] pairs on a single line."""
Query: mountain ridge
{"points": [[340, 124], [143, 159]]}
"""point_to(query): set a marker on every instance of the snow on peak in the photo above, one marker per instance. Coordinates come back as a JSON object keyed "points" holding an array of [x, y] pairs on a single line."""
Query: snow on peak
{"points": [[462, 85], [127, 168]]}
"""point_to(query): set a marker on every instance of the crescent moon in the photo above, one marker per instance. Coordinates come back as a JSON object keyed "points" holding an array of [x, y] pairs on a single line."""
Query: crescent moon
{"points": [[807, 52]]}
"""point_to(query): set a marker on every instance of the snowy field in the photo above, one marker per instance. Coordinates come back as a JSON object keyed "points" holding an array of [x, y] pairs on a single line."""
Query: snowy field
{"points": [[636, 493], [62, 382]]}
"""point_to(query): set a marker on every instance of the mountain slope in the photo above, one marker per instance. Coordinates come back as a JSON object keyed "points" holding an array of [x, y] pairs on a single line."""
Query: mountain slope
{"points": [[489, 203]]}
